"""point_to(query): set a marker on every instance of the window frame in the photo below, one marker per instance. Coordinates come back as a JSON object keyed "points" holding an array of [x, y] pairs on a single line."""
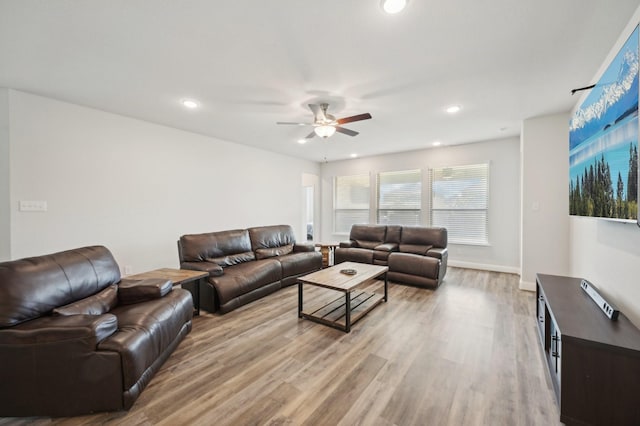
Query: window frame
{"points": [[418, 211], [454, 231], [336, 209]]}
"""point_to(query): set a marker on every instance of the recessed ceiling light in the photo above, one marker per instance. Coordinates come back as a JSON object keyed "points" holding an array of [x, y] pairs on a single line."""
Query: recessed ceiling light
{"points": [[437, 143], [453, 109], [393, 6], [190, 103], [354, 155], [302, 141]]}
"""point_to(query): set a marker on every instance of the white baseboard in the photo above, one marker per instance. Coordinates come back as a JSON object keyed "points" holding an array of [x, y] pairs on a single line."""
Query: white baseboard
{"points": [[485, 267], [527, 285]]}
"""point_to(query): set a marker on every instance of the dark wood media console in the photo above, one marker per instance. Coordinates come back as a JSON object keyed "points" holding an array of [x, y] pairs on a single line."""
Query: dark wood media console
{"points": [[594, 363]]}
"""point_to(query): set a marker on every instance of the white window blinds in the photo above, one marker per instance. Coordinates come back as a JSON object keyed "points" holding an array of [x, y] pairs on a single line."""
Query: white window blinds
{"points": [[399, 197], [351, 202], [460, 202]]}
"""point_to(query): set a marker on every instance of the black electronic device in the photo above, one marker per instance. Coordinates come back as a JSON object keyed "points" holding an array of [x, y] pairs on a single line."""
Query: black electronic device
{"points": [[608, 308]]}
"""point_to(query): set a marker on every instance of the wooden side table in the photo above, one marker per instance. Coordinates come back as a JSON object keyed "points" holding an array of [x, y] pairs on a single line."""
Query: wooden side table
{"points": [[327, 250], [179, 277]]}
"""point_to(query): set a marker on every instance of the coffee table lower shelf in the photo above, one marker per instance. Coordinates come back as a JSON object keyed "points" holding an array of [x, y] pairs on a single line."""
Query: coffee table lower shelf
{"points": [[334, 313]]}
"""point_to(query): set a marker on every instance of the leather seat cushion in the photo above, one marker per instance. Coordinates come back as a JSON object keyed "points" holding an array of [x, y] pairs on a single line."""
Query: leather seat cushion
{"points": [[245, 277], [412, 264], [300, 263], [415, 248], [145, 330]]}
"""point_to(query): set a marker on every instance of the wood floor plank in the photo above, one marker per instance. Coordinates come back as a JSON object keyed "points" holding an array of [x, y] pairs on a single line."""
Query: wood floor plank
{"points": [[464, 354], [333, 408]]}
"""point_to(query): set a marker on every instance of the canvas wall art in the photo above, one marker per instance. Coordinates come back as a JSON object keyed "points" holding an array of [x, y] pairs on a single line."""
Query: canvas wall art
{"points": [[603, 142]]}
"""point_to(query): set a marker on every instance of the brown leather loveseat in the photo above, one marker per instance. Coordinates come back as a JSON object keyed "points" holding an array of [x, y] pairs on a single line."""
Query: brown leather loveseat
{"points": [[246, 264], [76, 339], [416, 255]]}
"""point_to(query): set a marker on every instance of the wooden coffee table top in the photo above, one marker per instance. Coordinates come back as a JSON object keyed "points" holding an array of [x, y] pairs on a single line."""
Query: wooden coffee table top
{"points": [[178, 276], [333, 279]]}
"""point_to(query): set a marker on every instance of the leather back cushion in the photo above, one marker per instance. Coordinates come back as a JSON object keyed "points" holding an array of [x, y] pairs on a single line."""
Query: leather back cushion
{"points": [[98, 304], [368, 236], [232, 259], [215, 245], [263, 253], [34, 286], [266, 237], [423, 236], [393, 234]]}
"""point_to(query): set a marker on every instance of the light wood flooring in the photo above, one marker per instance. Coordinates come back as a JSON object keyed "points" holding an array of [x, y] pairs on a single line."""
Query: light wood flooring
{"points": [[465, 354]]}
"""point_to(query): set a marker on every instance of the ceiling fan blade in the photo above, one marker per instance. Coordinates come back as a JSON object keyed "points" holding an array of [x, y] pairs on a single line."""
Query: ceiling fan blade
{"points": [[346, 131], [311, 135], [318, 113], [353, 118], [291, 122]]}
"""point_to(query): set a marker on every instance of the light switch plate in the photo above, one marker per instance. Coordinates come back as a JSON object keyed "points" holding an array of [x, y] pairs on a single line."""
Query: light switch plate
{"points": [[33, 206]]}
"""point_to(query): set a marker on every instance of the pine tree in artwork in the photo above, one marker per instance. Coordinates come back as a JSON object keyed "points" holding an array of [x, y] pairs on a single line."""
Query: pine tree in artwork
{"points": [[632, 179], [620, 197]]}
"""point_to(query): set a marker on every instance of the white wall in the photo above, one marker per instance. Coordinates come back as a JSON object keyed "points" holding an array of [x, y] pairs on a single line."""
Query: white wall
{"points": [[504, 201], [608, 253], [5, 246], [545, 197], [135, 186]]}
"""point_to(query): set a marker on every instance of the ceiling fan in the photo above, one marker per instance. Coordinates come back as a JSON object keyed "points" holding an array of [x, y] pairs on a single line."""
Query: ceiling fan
{"points": [[326, 125]]}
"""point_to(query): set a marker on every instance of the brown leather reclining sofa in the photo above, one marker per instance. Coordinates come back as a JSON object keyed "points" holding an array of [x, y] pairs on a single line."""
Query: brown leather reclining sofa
{"points": [[416, 255], [245, 264], [75, 339]]}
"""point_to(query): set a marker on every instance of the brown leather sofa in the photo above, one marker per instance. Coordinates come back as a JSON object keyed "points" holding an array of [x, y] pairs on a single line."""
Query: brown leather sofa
{"points": [[416, 255], [245, 264], [76, 339]]}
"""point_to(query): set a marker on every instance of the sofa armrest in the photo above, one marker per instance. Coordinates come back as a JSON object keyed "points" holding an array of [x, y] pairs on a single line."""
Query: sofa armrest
{"points": [[213, 269], [348, 244], [438, 253], [387, 247], [303, 248], [58, 329], [136, 291]]}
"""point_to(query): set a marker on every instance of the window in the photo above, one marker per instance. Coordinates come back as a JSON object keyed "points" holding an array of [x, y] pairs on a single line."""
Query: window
{"points": [[399, 197], [459, 202], [351, 202]]}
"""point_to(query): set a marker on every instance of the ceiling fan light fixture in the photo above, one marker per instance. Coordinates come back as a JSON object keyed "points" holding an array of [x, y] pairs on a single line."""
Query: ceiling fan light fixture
{"points": [[393, 6], [325, 131]]}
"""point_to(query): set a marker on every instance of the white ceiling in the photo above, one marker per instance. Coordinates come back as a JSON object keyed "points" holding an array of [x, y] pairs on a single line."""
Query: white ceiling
{"points": [[254, 62]]}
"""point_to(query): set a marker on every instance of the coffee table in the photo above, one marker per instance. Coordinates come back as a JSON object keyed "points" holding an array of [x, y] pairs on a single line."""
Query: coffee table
{"points": [[353, 304], [179, 277]]}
